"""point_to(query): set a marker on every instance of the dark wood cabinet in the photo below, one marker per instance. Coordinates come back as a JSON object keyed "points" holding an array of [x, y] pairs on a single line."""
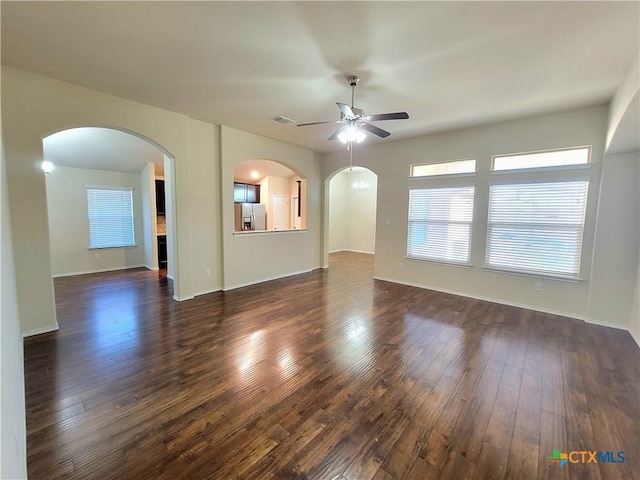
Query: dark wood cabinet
{"points": [[246, 193], [160, 202], [162, 251]]}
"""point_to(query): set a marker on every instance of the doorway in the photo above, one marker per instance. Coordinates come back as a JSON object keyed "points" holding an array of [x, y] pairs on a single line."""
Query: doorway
{"points": [[353, 196], [281, 212], [106, 160]]}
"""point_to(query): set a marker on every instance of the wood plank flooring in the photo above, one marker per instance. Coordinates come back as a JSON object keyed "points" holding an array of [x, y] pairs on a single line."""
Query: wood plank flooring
{"points": [[325, 375]]}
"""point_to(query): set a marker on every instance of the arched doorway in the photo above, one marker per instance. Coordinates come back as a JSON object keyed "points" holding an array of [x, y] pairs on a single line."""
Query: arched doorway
{"points": [[351, 211], [108, 164]]}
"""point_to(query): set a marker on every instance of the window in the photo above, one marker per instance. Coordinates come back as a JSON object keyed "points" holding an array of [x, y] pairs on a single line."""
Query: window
{"points": [[440, 224], [446, 168], [110, 217], [554, 158], [536, 227]]}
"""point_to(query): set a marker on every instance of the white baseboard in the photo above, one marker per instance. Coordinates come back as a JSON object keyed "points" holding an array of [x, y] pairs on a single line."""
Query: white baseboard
{"points": [[153, 269], [182, 299], [515, 304], [609, 324], [485, 299], [354, 251], [205, 292], [240, 285], [100, 270], [170, 277], [39, 331]]}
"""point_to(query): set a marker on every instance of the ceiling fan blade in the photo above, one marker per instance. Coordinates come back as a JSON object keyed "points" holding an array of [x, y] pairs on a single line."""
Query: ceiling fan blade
{"points": [[318, 123], [386, 116], [346, 110], [375, 130], [335, 134]]}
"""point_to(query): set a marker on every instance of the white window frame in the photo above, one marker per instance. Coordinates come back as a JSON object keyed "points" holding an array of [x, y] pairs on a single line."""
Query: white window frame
{"points": [[102, 233], [542, 153], [568, 231], [435, 221], [429, 167]]}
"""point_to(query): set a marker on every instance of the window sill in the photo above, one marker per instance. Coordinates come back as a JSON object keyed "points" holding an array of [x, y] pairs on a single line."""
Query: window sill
{"points": [[255, 233], [440, 262], [525, 273], [106, 248]]}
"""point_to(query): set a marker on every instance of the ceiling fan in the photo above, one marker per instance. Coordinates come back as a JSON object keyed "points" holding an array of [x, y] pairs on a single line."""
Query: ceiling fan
{"points": [[355, 124]]}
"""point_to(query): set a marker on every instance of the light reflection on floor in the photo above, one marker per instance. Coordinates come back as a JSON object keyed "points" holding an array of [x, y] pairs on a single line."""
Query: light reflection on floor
{"points": [[116, 319]]}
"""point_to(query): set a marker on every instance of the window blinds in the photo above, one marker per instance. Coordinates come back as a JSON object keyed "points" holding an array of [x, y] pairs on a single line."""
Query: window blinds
{"points": [[536, 227], [440, 224], [110, 217]]}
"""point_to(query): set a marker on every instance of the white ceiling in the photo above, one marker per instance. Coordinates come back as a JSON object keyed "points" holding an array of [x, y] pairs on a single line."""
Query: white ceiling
{"points": [[100, 149], [448, 64], [252, 171]]}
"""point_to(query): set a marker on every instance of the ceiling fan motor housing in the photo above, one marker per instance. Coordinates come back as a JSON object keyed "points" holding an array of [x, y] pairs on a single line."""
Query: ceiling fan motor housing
{"points": [[357, 112], [353, 80]]}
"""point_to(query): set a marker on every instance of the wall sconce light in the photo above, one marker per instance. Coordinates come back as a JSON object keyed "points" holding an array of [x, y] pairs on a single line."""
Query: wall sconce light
{"points": [[48, 167]]}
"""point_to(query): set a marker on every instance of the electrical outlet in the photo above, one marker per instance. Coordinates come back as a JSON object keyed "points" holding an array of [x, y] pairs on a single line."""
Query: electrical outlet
{"points": [[400, 265], [97, 255], [207, 271], [537, 286], [388, 221]]}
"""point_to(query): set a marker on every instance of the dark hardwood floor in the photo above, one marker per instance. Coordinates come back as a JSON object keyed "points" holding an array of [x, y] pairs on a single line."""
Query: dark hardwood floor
{"points": [[325, 375]]}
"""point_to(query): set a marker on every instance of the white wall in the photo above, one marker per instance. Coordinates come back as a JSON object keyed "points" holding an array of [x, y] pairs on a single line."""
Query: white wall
{"points": [[352, 220], [13, 439], [251, 258], [617, 242], [69, 222], [391, 162]]}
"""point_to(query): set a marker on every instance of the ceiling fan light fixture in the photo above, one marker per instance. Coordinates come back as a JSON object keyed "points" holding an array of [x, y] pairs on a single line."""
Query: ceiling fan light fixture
{"points": [[351, 134]]}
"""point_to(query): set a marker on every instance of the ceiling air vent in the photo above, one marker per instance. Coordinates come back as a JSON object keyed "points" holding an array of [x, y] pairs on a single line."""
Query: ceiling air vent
{"points": [[283, 120]]}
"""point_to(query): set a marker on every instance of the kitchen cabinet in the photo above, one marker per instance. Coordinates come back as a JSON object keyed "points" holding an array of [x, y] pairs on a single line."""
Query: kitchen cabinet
{"points": [[160, 201], [246, 193]]}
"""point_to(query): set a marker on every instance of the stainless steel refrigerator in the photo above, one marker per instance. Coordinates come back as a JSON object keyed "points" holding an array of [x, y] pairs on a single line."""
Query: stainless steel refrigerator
{"points": [[249, 216]]}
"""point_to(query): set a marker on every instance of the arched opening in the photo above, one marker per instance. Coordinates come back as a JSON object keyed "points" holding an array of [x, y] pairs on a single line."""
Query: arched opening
{"points": [[110, 202], [352, 204], [268, 196]]}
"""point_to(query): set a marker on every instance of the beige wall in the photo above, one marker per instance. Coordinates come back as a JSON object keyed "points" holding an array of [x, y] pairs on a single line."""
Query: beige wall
{"points": [[69, 222], [617, 242], [34, 107], [149, 229], [251, 258], [634, 321], [13, 443], [391, 161], [204, 186], [338, 207]]}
